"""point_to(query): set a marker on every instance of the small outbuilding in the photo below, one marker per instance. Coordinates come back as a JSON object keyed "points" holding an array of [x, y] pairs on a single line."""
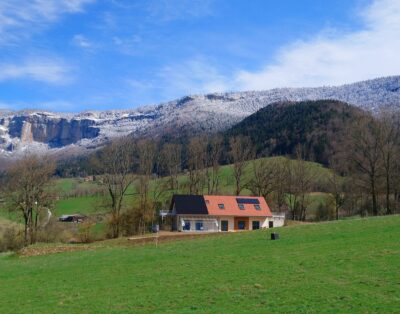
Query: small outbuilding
{"points": [[72, 218]]}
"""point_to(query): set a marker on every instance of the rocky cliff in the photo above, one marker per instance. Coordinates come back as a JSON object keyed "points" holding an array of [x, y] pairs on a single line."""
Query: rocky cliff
{"points": [[54, 131]]}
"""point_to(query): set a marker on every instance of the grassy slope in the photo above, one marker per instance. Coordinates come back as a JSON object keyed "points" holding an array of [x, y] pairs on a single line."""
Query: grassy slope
{"points": [[83, 205], [346, 266]]}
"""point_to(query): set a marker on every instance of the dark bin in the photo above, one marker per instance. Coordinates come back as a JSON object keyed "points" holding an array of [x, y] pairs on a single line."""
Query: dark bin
{"points": [[274, 236]]}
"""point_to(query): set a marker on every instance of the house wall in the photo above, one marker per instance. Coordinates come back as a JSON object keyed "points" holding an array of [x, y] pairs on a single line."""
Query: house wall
{"points": [[264, 222], [279, 220], [246, 221], [231, 222], [209, 223]]}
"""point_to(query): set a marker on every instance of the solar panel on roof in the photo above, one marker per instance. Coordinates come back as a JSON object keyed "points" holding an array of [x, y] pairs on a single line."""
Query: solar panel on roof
{"points": [[247, 201]]}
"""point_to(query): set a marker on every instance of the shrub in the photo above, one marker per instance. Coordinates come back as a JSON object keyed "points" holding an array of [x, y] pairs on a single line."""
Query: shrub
{"points": [[12, 240], [325, 211], [57, 232], [84, 231]]}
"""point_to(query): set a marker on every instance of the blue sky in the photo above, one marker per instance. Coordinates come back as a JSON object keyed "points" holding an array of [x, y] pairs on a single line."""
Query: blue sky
{"points": [[74, 55]]}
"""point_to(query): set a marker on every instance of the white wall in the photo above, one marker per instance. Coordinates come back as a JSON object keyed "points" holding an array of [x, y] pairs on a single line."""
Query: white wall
{"points": [[266, 223], [278, 221], [263, 222], [231, 223]]}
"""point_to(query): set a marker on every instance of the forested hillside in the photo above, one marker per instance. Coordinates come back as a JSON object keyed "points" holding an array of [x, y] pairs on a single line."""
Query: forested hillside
{"points": [[320, 127]]}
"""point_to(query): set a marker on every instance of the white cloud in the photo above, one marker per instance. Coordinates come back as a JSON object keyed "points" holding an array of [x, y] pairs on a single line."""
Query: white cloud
{"points": [[335, 59], [81, 41], [330, 58], [48, 71], [19, 18]]}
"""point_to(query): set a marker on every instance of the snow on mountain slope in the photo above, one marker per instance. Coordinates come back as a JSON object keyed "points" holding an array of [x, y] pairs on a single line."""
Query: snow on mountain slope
{"points": [[45, 131]]}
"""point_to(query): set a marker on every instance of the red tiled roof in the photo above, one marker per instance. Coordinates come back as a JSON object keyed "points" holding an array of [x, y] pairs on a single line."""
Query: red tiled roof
{"points": [[231, 206]]}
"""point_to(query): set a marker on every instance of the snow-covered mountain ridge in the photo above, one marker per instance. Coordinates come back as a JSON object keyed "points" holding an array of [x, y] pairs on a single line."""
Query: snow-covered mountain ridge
{"points": [[55, 132]]}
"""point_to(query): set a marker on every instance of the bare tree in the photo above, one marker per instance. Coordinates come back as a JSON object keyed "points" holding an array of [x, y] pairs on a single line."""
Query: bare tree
{"points": [[28, 191], [196, 164], [291, 188], [306, 176], [147, 155], [212, 156], [300, 179], [336, 189], [115, 162], [241, 151], [262, 180], [365, 157], [389, 149], [171, 161], [279, 183]]}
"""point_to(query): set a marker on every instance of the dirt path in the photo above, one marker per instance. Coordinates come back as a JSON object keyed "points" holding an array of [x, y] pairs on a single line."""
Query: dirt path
{"points": [[162, 237], [45, 250]]}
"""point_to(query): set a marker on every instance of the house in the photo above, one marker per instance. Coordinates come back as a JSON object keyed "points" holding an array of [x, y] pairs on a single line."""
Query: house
{"points": [[214, 213], [88, 179]]}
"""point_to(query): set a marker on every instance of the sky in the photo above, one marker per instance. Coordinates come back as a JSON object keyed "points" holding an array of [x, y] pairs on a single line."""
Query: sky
{"points": [[76, 55]]}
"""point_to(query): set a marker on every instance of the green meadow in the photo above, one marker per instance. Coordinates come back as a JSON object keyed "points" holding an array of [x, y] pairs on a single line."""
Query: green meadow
{"points": [[349, 266]]}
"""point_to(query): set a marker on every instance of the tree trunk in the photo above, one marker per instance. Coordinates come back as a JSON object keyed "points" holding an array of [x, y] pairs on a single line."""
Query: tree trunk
{"points": [[337, 210], [26, 229], [388, 209], [374, 203]]}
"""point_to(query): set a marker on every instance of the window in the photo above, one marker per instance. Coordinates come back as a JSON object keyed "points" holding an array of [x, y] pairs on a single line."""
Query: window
{"points": [[241, 225], [256, 225], [257, 207], [199, 225], [221, 206], [186, 225], [224, 225], [241, 206]]}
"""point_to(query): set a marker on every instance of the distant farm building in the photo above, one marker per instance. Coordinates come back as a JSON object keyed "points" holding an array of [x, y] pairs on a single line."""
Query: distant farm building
{"points": [[212, 213], [88, 179], [72, 218]]}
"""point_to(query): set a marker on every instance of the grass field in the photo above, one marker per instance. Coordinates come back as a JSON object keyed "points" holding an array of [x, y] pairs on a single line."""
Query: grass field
{"points": [[84, 205], [348, 266]]}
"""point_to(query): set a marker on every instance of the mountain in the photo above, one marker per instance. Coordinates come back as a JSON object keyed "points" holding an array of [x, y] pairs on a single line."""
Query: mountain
{"points": [[76, 133], [318, 126]]}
